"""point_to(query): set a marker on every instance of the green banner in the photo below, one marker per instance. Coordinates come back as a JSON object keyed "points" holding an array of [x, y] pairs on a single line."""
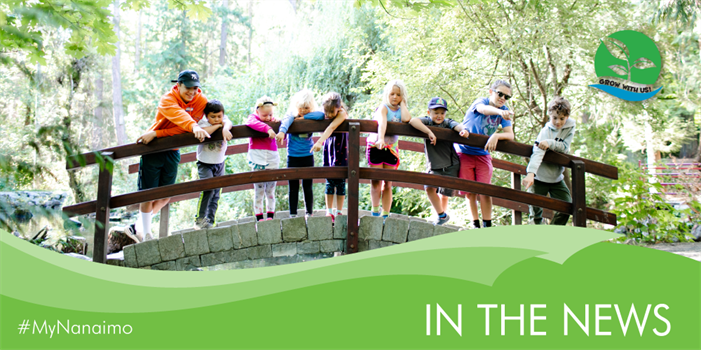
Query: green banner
{"points": [[507, 287]]}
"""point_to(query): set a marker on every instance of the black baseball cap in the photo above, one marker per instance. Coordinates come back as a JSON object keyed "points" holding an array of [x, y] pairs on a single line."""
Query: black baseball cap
{"points": [[438, 102], [188, 77]]}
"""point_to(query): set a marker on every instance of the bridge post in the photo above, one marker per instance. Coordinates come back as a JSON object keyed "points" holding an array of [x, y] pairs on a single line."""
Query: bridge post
{"points": [[579, 200], [165, 217], [102, 206], [516, 218], [353, 184]]}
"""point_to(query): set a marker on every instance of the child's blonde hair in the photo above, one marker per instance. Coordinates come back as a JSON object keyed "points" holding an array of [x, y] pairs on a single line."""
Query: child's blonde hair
{"points": [[264, 101], [331, 101], [302, 99], [388, 89]]}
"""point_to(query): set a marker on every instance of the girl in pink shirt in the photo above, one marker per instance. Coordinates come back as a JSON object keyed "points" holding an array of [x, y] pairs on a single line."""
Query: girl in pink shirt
{"points": [[263, 154]]}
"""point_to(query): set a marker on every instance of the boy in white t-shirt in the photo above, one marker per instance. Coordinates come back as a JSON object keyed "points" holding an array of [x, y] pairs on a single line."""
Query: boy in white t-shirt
{"points": [[210, 163]]}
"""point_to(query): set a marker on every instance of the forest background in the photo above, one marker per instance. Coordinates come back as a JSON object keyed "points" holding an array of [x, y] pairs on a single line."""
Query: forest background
{"points": [[85, 75]]}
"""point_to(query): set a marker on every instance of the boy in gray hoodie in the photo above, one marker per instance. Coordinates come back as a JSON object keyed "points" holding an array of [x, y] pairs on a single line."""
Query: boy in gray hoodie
{"points": [[544, 178]]}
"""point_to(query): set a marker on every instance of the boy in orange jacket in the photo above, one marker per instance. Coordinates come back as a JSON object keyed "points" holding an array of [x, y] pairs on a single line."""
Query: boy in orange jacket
{"points": [[178, 112]]}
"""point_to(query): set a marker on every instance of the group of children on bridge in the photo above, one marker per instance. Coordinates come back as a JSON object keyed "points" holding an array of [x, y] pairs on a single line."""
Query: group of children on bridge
{"points": [[185, 110]]}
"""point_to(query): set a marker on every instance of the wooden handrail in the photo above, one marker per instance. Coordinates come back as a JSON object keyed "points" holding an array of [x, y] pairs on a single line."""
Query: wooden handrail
{"points": [[403, 145], [88, 207], [335, 172], [366, 126]]}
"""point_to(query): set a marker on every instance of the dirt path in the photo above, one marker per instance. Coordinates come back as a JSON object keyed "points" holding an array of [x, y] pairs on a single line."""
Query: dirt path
{"points": [[690, 250]]}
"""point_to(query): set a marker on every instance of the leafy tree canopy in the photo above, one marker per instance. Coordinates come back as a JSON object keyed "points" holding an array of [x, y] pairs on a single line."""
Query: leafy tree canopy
{"points": [[23, 24]]}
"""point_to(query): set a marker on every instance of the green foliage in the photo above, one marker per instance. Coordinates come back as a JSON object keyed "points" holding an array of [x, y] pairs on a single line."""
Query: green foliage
{"points": [[22, 23], [643, 213]]}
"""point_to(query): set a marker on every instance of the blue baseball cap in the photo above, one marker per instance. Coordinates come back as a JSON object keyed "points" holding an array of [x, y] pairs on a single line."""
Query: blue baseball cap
{"points": [[438, 102]]}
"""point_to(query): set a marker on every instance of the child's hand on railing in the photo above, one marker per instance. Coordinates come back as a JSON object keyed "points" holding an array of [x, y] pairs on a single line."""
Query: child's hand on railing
{"points": [[147, 137], [432, 137], [543, 145], [528, 181], [271, 133], [317, 147], [491, 143], [280, 137], [200, 134], [227, 135], [464, 133]]}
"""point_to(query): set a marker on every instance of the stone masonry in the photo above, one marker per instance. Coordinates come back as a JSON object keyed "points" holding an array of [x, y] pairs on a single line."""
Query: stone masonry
{"points": [[242, 239]]}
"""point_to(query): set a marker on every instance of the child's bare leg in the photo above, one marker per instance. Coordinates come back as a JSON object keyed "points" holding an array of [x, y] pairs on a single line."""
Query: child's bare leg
{"points": [[387, 196], [375, 189], [444, 201], [435, 200], [339, 202], [472, 197], [146, 207], [486, 204], [158, 204], [329, 201], [387, 191]]}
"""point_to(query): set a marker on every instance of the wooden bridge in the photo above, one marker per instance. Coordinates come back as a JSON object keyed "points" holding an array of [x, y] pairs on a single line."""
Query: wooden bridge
{"points": [[512, 198]]}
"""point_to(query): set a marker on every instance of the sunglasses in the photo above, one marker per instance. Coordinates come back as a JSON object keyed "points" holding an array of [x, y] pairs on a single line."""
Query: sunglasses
{"points": [[501, 94]]}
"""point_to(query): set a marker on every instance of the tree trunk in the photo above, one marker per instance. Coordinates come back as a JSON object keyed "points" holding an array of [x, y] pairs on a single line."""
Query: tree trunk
{"points": [[651, 155], [137, 49], [117, 109], [250, 31], [183, 39], [99, 119], [222, 45], [698, 151], [585, 117]]}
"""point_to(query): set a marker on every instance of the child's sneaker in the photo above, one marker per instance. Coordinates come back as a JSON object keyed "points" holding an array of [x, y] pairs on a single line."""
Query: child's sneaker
{"points": [[148, 237], [130, 231], [375, 214], [442, 221], [333, 217], [201, 223]]}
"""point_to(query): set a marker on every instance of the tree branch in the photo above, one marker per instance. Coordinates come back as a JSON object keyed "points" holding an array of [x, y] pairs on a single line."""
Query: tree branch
{"points": [[553, 71], [452, 98], [542, 92], [565, 79]]}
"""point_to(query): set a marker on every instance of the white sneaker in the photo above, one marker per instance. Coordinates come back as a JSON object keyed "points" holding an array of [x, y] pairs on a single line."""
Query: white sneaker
{"points": [[130, 231], [148, 237]]}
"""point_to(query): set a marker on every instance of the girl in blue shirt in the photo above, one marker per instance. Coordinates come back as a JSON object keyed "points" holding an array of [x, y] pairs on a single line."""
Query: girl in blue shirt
{"points": [[301, 146]]}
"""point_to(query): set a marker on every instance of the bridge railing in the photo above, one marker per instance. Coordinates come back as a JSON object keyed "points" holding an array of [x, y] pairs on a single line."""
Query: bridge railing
{"points": [[101, 206], [516, 170]]}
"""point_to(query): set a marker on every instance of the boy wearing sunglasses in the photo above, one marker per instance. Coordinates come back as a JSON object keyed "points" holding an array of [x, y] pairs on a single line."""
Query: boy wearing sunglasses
{"points": [[484, 117]]}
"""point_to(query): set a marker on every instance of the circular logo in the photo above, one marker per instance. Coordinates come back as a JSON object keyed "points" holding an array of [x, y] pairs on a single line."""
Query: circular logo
{"points": [[629, 57]]}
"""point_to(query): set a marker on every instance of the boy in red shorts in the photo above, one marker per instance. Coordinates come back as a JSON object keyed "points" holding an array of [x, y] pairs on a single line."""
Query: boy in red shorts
{"points": [[484, 117]]}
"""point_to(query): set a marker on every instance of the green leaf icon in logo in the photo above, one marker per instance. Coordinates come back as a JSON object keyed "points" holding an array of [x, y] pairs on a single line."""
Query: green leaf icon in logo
{"points": [[628, 55]]}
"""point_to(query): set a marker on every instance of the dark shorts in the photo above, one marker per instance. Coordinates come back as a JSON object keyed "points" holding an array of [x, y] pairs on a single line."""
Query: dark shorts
{"points": [[158, 169], [381, 156], [336, 186], [300, 162], [451, 171]]}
